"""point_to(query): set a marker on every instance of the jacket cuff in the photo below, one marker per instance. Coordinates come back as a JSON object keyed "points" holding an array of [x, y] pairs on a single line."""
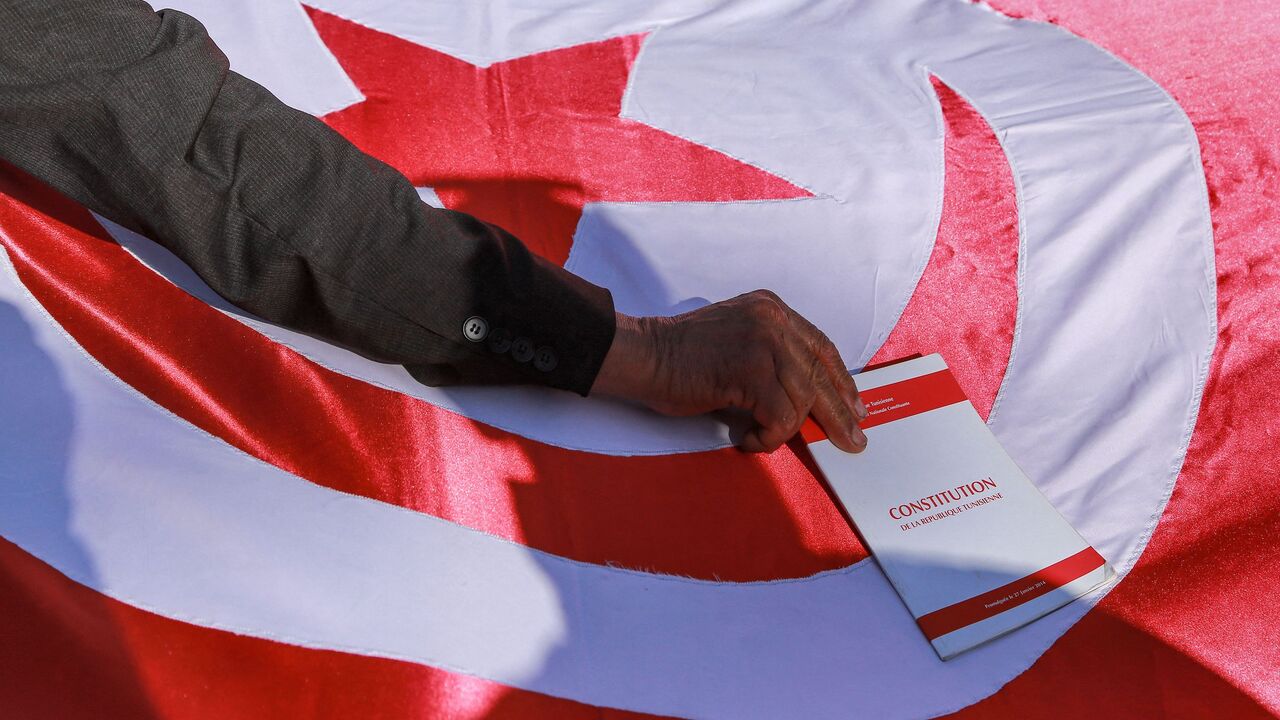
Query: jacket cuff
{"points": [[558, 338], [523, 319]]}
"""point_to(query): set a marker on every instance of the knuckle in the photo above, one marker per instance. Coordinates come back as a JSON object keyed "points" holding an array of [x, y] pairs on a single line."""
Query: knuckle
{"points": [[815, 368], [825, 347], [843, 413], [775, 318], [834, 404], [836, 410], [767, 306], [769, 440], [767, 311], [766, 294]]}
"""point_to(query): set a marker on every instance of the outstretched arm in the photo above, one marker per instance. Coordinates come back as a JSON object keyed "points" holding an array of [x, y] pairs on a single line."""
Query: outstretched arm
{"points": [[136, 115]]}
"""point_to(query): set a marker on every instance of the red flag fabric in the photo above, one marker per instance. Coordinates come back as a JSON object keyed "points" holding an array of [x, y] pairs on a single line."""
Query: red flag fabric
{"points": [[204, 516]]}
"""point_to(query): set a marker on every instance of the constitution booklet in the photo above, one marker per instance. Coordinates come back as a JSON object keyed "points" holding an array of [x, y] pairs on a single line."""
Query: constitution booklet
{"points": [[968, 541]]}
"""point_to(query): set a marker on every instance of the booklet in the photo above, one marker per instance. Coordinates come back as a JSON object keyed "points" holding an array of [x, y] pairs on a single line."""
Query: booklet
{"points": [[970, 544]]}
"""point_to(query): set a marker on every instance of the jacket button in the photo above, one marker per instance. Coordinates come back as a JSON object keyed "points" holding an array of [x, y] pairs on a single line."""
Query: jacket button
{"points": [[545, 359], [521, 349], [500, 340], [475, 328]]}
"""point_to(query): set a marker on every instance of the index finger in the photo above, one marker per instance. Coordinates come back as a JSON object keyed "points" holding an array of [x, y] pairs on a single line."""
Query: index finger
{"points": [[803, 375], [818, 343]]}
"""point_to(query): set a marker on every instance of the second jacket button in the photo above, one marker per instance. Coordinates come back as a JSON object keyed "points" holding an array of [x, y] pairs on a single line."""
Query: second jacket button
{"points": [[500, 340]]}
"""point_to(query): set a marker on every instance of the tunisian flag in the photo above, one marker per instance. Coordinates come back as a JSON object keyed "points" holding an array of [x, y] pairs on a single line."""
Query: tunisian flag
{"points": [[203, 515]]}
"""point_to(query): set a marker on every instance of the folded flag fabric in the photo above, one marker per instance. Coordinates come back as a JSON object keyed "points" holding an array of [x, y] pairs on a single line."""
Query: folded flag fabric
{"points": [[204, 515]]}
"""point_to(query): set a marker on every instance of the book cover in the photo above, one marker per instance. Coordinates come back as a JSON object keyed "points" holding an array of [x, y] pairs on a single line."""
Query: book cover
{"points": [[967, 540]]}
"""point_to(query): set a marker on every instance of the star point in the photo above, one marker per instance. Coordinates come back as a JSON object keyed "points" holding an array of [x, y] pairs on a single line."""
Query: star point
{"points": [[525, 143]]}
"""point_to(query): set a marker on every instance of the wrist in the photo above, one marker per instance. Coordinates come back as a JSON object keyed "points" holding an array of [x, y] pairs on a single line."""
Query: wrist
{"points": [[630, 366]]}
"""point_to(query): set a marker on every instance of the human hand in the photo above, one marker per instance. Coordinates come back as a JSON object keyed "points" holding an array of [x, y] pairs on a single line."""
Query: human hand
{"points": [[751, 352]]}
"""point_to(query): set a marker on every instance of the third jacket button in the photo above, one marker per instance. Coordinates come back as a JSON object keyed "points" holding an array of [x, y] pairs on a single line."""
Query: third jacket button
{"points": [[522, 349]]}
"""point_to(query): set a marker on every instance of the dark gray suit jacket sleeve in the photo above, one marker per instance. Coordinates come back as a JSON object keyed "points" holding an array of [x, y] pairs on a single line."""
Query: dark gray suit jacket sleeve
{"points": [[136, 115]]}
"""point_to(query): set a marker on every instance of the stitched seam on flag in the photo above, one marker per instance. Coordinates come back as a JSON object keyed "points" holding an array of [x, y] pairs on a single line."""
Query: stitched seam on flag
{"points": [[649, 31], [479, 62], [939, 183], [708, 144], [1021, 273], [1122, 569], [1205, 360], [1095, 596], [314, 34], [623, 114], [482, 61]]}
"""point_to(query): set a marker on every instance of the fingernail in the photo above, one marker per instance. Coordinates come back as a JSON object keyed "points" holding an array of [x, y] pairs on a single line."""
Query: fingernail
{"points": [[859, 437], [859, 409]]}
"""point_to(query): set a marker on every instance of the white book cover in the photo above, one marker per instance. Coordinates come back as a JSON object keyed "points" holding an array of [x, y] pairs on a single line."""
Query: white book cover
{"points": [[968, 541]]}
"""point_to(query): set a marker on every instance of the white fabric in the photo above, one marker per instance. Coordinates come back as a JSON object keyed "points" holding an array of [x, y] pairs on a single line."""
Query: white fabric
{"points": [[430, 197], [274, 43], [1116, 323]]}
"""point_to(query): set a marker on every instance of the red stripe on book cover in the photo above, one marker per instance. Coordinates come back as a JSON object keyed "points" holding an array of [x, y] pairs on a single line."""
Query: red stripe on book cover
{"points": [[899, 400], [1006, 597]]}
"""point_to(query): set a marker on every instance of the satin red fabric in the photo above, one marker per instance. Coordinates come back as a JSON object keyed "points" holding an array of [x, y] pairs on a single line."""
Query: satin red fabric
{"points": [[722, 514], [1192, 632]]}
